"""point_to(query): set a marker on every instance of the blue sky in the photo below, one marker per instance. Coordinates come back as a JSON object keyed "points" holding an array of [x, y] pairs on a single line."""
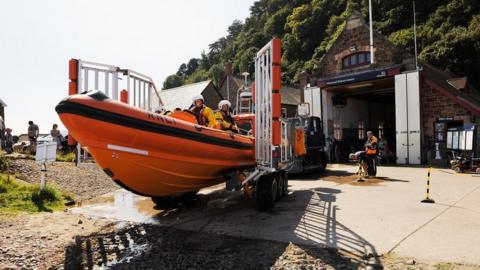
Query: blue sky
{"points": [[37, 38]]}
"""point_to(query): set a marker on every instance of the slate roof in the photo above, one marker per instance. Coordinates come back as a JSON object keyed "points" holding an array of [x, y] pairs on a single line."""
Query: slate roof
{"points": [[181, 97], [439, 80]]}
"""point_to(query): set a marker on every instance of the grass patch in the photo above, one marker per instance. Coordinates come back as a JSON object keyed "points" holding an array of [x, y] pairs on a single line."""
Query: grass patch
{"points": [[68, 157], [444, 266], [16, 196]]}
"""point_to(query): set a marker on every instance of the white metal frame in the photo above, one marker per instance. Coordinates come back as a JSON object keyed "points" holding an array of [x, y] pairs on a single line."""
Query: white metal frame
{"points": [[263, 106], [244, 95], [138, 85]]}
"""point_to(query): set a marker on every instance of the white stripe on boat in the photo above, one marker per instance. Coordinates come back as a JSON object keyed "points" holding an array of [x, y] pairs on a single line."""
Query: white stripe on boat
{"points": [[127, 149]]}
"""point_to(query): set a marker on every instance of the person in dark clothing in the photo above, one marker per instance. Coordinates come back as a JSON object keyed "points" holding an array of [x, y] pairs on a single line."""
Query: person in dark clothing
{"points": [[371, 150], [8, 141]]}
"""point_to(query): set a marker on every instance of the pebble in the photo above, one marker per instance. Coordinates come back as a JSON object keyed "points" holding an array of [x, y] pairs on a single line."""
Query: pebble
{"points": [[410, 262], [298, 251]]}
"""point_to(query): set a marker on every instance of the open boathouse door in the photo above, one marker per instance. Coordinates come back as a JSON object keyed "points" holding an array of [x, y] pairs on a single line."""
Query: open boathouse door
{"points": [[407, 118]]}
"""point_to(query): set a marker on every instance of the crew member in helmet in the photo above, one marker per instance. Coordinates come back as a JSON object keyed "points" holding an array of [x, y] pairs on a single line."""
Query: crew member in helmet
{"points": [[224, 117], [204, 114]]}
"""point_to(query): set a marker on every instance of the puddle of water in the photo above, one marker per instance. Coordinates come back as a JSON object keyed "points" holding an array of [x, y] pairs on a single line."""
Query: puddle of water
{"points": [[125, 206], [122, 205], [133, 250]]}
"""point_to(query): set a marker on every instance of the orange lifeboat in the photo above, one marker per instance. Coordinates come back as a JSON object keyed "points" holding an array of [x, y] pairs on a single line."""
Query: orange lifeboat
{"points": [[152, 154]]}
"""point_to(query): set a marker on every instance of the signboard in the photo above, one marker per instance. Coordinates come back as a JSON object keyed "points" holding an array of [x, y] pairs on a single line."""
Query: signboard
{"points": [[303, 109], [359, 77], [461, 138], [46, 151]]}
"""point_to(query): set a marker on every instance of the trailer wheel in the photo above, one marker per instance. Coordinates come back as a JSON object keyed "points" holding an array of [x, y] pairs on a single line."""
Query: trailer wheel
{"points": [[280, 185], [266, 191], [323, 160]]}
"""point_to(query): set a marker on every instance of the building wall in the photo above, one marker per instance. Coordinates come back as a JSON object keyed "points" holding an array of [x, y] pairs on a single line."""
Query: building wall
{"points": [[434, 105], [356, 34], [232, 93]]}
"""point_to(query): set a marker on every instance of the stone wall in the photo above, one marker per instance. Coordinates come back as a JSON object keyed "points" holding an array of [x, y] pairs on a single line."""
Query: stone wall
{"points": [[434, 105], [356, 38]]}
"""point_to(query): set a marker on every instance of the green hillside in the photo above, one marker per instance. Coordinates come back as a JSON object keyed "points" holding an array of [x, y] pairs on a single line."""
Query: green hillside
{"points": [[448, 35]]}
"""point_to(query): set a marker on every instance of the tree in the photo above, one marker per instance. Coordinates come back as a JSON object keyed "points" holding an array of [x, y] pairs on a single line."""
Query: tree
{"points": [[447, 34], [182, 71], [172, 81], [191, 66]]}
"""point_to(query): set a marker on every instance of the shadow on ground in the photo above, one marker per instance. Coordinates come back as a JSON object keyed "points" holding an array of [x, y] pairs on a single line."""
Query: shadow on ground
{"points": [[196, 237], [342, 177]]}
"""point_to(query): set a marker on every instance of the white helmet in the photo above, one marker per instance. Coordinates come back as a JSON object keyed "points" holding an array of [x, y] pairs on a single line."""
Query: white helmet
{"points": [[224, 102], [197, 97]]}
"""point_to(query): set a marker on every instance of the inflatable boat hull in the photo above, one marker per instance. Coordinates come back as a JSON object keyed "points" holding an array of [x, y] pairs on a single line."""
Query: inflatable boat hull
{"points": [[151, 154]]}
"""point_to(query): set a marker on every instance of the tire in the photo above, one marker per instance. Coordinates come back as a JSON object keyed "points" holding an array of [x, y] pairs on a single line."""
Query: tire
{"points": [[280, 185], [266, 191], [323, 160], [458, 170]]}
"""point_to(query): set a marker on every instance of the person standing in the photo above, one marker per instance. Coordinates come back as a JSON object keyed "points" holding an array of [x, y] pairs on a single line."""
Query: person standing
{"points": [[57, 137], [8, 141], [33, 132], [371, 149], [384, 151], [2, 133]]}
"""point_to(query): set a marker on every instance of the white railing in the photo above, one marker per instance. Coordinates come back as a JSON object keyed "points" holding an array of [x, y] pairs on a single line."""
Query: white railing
{"points": [[244, 101], [263, 106], [286, 150], [109, 79]]}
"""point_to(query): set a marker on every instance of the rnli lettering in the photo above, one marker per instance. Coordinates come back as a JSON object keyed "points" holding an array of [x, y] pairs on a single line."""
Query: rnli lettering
{"points": [[160, 118]]}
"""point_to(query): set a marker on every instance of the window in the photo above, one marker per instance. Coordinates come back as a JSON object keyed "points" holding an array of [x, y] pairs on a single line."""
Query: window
{"points": [[356, 59], [361, 58], [337, 130], [361, 130]]}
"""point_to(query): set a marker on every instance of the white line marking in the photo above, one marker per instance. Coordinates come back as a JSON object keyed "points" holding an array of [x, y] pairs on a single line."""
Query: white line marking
{"points": [[127, 149]]}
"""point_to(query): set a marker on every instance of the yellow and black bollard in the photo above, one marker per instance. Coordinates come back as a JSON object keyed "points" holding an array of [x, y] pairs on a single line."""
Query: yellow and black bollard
{"points": [[428, 199]]}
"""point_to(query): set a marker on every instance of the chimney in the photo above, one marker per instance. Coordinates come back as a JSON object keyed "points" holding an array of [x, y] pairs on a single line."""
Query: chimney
{"points": [[228, 73], [303, 78], [228, 68]]}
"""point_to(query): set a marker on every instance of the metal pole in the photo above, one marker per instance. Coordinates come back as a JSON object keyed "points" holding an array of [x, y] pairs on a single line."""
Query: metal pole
{"points": [[42, 177], [415, 35], [372, 54]]}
